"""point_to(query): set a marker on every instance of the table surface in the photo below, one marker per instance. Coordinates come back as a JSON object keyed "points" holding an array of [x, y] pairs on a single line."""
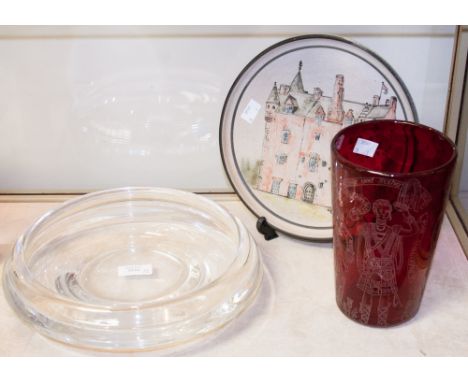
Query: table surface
{"points": [[295, 312]]}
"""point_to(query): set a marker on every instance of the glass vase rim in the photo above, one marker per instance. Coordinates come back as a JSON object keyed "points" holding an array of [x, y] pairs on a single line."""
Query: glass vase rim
{"points": [[393, 174]]}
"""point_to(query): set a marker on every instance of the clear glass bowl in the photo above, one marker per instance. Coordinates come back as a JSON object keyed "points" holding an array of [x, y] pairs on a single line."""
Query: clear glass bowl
{"points": [[133, 268]]}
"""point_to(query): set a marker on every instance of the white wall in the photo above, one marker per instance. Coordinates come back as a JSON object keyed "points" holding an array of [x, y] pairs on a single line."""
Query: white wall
{"points": [[85, 108]]}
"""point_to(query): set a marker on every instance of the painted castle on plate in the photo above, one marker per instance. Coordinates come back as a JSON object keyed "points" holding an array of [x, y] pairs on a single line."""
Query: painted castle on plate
{"points": [[299, 127]]}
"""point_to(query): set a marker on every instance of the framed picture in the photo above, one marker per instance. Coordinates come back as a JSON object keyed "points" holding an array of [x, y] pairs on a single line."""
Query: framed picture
{"points": [[456, 128], [281, 114]]}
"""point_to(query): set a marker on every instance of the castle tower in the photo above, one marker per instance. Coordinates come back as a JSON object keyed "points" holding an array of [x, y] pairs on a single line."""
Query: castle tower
{"points": [[296, 84], [272, 104], [335, 111], [392, 103]]}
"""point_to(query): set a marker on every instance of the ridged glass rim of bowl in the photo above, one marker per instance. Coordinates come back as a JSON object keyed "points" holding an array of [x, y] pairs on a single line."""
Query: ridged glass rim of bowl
{"points": [[340, 158], [243, 237]]}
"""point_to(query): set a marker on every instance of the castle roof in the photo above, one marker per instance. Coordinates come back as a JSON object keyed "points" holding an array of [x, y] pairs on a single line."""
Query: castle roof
{"points": [[304, 101], [273, 97], [296, 85], [316, 106], [292, 100], [308, 104], [378, 112]]}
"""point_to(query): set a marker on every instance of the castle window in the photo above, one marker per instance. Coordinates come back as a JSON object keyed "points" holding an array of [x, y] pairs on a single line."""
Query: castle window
{"points": [[319, 115], [290, 105], [308, 193], [324, 163], [313, 162], [289, 108], [292, 189], [281, 158], [321, 185], [317, 136], [285, 134], [275, 186], [267, 134]]}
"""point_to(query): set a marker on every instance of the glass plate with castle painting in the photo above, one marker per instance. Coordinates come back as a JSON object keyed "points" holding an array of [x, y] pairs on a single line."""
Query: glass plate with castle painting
{"points": [[281, 114]]}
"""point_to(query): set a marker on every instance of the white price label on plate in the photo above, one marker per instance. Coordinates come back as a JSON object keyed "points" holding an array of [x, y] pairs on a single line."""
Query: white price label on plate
{"points": [[135, 270], [251, 111], [365, 147]]}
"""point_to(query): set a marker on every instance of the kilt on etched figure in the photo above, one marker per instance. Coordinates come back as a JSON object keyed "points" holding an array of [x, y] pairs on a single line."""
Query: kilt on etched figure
{"points": [[383, 259]]}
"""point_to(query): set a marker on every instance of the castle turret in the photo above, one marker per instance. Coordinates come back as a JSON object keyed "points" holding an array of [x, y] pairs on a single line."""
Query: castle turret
{"points": [[335, 111], [392, 105], [296, 84], [317, 94], [348, 118], [272, 104], [375, 100]]}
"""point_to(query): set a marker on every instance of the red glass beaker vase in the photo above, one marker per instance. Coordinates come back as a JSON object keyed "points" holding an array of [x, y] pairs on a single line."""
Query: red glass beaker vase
{"points": [[390, 185]]}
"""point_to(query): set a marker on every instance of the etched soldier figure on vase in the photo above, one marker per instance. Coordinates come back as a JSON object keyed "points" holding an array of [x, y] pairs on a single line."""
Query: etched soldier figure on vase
{"points": [[387, 216]]}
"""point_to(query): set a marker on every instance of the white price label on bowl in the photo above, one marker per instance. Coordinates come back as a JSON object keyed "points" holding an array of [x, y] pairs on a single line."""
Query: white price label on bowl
{"points": [[251, 111], [365, 147], [135, 270]]}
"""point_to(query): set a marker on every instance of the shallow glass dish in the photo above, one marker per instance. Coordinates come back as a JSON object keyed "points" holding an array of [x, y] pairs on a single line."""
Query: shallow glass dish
{"points": [[132, 269]]}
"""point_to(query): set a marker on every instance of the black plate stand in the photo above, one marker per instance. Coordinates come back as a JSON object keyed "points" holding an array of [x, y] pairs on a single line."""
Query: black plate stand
{"points": [[265, 229]]}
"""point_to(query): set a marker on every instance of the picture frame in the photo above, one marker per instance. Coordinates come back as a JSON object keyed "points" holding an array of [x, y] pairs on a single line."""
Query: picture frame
{"points": [[456, 128], [281, 114]]}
